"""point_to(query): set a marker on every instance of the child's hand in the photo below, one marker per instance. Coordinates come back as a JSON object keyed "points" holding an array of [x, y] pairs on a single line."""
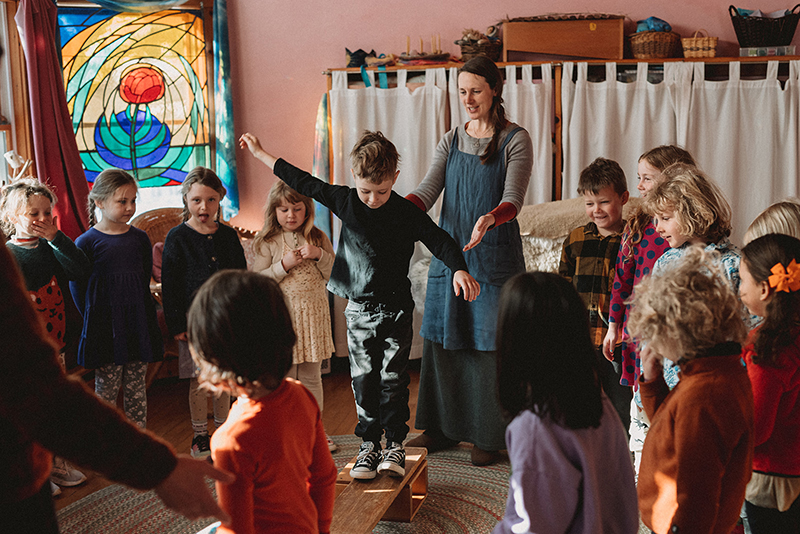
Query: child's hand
{"points": [[610, 341], [291, 259], [462, 280], [181, 337], [481, 227], [252, 143], [46, 229], [651, 364], [310, 252]]}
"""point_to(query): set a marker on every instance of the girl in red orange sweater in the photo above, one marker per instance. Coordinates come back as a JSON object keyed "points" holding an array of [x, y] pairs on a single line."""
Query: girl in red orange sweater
{"points": [[241, 337], [698, 454], [771, 289]]}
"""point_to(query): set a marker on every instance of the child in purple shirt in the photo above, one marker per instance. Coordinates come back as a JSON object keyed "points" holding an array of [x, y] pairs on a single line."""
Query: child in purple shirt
{"points": [[570, 469]]}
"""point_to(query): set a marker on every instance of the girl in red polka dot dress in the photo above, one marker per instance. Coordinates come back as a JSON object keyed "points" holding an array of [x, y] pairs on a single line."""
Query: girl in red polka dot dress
{"points": [[640, 248], [48, 259]]}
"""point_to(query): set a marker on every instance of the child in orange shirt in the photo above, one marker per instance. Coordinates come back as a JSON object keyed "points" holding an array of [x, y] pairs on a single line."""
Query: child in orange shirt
{"points": [[698, 454], [241, 338]]}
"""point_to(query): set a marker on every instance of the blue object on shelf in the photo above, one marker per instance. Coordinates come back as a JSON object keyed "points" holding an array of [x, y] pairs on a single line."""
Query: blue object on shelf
{"points": [[653, 24]]}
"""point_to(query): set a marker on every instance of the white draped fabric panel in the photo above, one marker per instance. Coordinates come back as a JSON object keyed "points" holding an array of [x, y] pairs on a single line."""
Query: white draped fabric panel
{"points": [[612, 119], [744, 134], [413, 121], [529, 104]]}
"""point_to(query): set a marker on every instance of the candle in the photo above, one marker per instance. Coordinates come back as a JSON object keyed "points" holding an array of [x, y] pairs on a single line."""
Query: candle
{"points": [[433, 44], [439, 43], [408, 45], [420, 46]]}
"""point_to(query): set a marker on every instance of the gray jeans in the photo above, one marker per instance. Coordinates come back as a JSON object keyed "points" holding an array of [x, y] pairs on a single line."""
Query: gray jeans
{"points": [[379, 341]]}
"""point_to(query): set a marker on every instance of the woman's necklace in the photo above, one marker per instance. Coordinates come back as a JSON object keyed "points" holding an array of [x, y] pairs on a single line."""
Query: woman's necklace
{"points": [[476, 137]]}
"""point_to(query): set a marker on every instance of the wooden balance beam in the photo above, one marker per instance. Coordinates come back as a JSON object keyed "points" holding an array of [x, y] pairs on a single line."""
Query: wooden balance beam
{"points": [[360, 504]]}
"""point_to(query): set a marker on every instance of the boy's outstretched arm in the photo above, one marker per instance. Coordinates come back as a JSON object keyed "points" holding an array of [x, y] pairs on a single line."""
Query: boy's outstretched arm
{"points": [[462, 280], [251, 142]]}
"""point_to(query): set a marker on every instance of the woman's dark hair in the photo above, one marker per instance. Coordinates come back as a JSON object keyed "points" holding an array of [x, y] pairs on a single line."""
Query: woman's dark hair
{"points": [[485, 68], [780, 326], [546, 361], [239, 324]]}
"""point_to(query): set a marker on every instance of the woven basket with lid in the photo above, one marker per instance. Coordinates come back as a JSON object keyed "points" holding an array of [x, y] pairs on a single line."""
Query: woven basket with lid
{"points": [[695, 46]]}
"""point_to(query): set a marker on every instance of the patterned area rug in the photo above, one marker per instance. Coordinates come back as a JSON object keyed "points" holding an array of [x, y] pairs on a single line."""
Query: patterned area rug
{"points": [[461, 499]]}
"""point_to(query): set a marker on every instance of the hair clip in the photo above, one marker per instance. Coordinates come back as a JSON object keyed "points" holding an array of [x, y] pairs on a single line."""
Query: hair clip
{"points": [[787, 279]]}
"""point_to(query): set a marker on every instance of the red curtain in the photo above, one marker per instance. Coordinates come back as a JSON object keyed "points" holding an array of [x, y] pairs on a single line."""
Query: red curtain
{"points": [[55, 149]]}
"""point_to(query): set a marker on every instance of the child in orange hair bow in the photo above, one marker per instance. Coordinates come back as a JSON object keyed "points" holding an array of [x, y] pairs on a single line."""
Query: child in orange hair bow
{"points": [[770, 282]]}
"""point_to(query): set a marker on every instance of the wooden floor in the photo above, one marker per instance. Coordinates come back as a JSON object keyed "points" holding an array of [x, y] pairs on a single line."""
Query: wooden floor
{"points": [[168, 416]]}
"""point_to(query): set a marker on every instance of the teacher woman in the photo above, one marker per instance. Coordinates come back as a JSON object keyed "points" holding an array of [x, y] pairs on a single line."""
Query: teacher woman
{"points": [[483, 167]]}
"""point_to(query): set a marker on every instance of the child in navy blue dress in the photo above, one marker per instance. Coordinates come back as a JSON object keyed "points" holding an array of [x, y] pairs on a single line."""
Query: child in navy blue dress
{"points": [[120, 332]]}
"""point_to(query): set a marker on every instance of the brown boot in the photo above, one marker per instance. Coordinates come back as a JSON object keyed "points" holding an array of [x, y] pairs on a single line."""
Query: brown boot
{"points": [[481, 457], [433, 441]]}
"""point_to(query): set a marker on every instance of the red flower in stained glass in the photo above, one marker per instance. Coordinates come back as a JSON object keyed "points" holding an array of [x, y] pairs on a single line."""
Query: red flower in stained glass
{"points": [[142, 86]]}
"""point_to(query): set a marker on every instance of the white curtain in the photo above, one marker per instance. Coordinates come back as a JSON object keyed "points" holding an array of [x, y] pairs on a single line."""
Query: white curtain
{"points": [[613, 120], [744, 134], [413, 121], [530, 105]]}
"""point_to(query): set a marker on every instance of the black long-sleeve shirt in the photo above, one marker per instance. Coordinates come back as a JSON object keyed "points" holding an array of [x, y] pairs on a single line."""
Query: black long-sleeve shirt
{"points": [[375, 245]]}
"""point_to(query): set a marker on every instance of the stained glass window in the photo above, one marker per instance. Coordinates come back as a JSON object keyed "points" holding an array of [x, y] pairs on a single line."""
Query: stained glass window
{"points": [[137, 91]]}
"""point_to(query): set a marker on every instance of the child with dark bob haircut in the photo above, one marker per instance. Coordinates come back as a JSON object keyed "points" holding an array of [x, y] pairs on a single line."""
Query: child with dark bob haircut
{"points": [[571, 471], [241, 337]]}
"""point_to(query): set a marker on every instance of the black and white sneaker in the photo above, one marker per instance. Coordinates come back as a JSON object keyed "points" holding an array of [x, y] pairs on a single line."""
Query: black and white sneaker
{"points": [[366, 466], [393, 461], [201, 446]]}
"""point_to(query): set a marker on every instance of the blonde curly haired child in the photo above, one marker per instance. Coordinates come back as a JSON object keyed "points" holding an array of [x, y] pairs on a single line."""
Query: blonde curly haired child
{"points": [[698, 454]]}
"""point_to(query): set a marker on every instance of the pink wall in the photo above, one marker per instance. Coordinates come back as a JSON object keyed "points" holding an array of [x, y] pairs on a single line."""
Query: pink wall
{"points": [[279, 50]]}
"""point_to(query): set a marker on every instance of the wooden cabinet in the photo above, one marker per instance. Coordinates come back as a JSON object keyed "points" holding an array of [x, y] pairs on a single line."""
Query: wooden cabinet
{"points": [[596, 38]]}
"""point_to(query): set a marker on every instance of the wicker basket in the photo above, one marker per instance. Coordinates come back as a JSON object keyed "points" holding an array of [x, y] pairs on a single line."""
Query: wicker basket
{"points": [[762, 31], [695, 46], [490, 49], [655, 45]]}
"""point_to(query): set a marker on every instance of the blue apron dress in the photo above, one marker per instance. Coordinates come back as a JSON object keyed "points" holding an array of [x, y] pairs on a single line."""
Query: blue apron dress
{"points": [[457, 393]]}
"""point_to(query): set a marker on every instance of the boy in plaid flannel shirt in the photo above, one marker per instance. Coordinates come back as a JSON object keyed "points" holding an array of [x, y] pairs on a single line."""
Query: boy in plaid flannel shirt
{"points": [[587, 260]]}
